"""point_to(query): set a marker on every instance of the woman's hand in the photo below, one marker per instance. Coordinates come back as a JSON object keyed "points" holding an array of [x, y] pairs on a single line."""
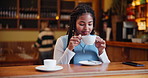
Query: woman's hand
{"points": [[100, 44], [74, 41]]}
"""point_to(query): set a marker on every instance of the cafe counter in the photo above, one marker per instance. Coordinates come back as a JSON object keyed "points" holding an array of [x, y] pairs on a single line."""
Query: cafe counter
{"points": [[127, 51]]}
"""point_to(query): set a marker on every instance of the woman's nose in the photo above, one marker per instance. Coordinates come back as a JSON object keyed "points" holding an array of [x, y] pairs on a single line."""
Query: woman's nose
{"points": [[86, 27]]}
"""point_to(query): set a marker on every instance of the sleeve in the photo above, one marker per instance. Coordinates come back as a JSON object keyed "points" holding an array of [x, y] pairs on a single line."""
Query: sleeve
{"points": [[103, 57], [38, 42], [61, 56]]}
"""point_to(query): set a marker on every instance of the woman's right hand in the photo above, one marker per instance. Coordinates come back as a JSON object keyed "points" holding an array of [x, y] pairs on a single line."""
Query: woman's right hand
{"points": [[74, 41]]}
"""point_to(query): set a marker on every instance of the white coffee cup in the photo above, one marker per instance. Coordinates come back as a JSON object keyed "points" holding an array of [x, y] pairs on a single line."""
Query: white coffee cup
{"points": [[50, 63], [89, 39]]}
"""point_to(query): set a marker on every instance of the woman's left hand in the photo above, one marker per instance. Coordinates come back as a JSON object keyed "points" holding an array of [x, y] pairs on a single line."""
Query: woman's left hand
{"points": [[100, 44]]}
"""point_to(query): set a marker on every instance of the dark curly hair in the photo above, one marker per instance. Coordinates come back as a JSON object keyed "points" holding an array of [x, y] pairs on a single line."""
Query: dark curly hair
{"points": [[78, 11]]}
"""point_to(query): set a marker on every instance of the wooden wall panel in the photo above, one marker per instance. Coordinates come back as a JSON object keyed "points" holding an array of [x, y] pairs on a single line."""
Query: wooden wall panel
{"points": [[115, 54], [138, 54]]}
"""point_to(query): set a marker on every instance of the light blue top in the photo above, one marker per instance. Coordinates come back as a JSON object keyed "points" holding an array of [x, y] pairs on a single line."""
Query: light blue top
{"points": [[83, 52]]}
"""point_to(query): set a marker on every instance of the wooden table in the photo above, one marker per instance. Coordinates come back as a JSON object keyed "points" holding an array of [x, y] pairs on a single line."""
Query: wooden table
{"points": [[111, 70]]}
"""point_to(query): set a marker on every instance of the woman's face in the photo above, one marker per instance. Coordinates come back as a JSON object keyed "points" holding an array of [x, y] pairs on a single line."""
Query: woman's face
{"points": [[84, 24]]}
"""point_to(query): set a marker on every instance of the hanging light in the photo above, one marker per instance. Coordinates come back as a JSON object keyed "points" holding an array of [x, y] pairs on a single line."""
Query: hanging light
{"points": [[137, 2], [38, 17], [57, 17], [134, 3]]}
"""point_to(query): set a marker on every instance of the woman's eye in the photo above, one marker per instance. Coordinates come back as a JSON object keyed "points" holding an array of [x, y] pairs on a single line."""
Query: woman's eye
{"points": [[90, 24], [81, 24]]}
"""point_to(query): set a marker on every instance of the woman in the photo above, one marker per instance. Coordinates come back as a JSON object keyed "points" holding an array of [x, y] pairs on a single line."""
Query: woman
{"points": [[71, 49]]}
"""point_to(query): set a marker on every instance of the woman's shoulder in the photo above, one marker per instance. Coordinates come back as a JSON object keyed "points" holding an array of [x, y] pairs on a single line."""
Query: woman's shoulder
{"points": [[63, 39], [64, 36]]}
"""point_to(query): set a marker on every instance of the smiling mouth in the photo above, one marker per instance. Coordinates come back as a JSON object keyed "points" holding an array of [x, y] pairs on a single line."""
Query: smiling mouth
{"points": [[85, 32]]}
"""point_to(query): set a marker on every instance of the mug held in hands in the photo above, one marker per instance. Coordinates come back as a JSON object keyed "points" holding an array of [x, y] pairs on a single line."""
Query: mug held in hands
{"points": [[89, 39]]}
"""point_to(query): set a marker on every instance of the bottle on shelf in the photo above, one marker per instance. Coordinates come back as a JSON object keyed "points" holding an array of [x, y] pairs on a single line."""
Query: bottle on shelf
{"points": [[7, 26], [21, 26], [1, 26]]}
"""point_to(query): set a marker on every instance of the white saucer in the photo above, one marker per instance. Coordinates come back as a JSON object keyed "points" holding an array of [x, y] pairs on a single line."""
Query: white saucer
{"points": [[43, 68], [90, 62]]}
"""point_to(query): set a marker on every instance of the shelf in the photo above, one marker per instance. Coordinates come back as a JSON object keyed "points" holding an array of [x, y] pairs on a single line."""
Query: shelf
{"points": [[29, 9], [28, 18], [8, 18], [139, 12], [68, 11], [141, 18], [30, 13], [141, 5], [68, 5], [18, 29], [28, 4], [48, 19], [64, 19]]}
